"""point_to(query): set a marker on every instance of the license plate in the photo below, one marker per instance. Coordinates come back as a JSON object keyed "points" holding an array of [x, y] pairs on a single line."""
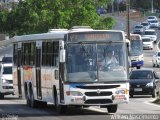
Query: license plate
{"points": [[137, 89]]}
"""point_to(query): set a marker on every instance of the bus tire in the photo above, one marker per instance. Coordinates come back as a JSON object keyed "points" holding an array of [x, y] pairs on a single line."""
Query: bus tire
{"points": [[32, 100], [112, 108], [62, 109]]}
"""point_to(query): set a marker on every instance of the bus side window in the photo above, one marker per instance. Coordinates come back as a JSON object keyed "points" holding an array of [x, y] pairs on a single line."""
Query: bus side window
{"points": [[50, 52]]}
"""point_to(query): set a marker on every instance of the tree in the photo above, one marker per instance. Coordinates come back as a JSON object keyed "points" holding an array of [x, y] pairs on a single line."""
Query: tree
{"points": [[37, 16]]}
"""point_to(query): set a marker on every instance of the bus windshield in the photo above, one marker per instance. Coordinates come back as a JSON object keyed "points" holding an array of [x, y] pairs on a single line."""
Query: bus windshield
{"points": [[136, 47], [92, 62]]}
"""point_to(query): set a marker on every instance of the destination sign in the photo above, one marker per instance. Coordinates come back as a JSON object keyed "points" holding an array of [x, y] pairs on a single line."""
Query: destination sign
{"points": [[96, 36]]}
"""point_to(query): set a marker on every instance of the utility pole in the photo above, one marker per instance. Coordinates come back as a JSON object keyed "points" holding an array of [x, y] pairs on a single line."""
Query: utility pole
{"points": [[128, 18], [113, 8], [152, 6], [118, 7]]}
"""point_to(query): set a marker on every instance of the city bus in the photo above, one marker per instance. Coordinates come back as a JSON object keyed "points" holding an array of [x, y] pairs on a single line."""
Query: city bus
{"points": [[136, 51], [64, 68]]}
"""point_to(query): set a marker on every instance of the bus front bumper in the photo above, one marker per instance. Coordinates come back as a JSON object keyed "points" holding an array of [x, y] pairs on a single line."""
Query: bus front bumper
{"points": [[97, 101]]}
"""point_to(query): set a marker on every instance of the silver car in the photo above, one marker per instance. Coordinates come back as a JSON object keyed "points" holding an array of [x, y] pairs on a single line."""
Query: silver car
{"points": [[138, 28], [146, 25], [147, 43]]}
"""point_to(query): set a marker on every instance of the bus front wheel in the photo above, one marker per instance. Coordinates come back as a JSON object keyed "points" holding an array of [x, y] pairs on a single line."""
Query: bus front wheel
{"points": [[112, 108], [61, 109]]}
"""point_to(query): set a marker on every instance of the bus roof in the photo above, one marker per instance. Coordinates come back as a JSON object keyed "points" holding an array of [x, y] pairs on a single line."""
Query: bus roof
{"points": [[59, 34], [43, 36]]}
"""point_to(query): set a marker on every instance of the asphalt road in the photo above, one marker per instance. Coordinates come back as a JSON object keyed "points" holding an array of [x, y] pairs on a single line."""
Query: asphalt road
{"points": [[12, 108]]}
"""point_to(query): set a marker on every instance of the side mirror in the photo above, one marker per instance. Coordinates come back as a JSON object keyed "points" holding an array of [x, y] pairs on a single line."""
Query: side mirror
{"points": [[62, 52]]}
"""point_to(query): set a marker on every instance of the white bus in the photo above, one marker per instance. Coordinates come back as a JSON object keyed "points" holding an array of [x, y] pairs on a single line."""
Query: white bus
{"points": [[64, 68], [136, 51]]}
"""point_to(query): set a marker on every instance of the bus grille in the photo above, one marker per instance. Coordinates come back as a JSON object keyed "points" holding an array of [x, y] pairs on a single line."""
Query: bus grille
{"points": [[98, 101], [98, 94]]}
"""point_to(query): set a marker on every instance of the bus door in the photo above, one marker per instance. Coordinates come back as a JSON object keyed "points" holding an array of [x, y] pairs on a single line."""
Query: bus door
{"points": [[19, 69], [61, 74], [38, 69]]}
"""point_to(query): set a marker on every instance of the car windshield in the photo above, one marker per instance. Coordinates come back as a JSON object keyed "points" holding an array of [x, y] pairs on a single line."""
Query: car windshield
{"points": [[151, 17], [136, 32], [146, 40], [149, 33], [145, 24], [138, 26], [92, 62], [7, 70], [7, 59], [154, 21], [141, 75]]}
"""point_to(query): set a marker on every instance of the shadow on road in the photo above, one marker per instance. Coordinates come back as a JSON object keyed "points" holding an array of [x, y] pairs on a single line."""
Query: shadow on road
{"points": [[22, 110]]}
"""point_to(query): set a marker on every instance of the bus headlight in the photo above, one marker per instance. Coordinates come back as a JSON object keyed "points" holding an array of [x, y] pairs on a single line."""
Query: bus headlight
{"points": [[74, 93], [120, 92]]}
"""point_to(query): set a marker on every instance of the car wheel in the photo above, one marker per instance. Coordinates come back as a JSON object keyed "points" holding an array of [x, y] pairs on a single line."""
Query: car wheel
{"points": [[153, 64], [157, 64], [131, 95], [154, 94]]}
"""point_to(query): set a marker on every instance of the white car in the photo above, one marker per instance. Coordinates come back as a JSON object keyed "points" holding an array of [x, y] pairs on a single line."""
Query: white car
{"points": [[151, 18], [154, 24], [6, 86], [151, 33], [156, 59], [146, 25], [147, 43], [138, 28]]}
